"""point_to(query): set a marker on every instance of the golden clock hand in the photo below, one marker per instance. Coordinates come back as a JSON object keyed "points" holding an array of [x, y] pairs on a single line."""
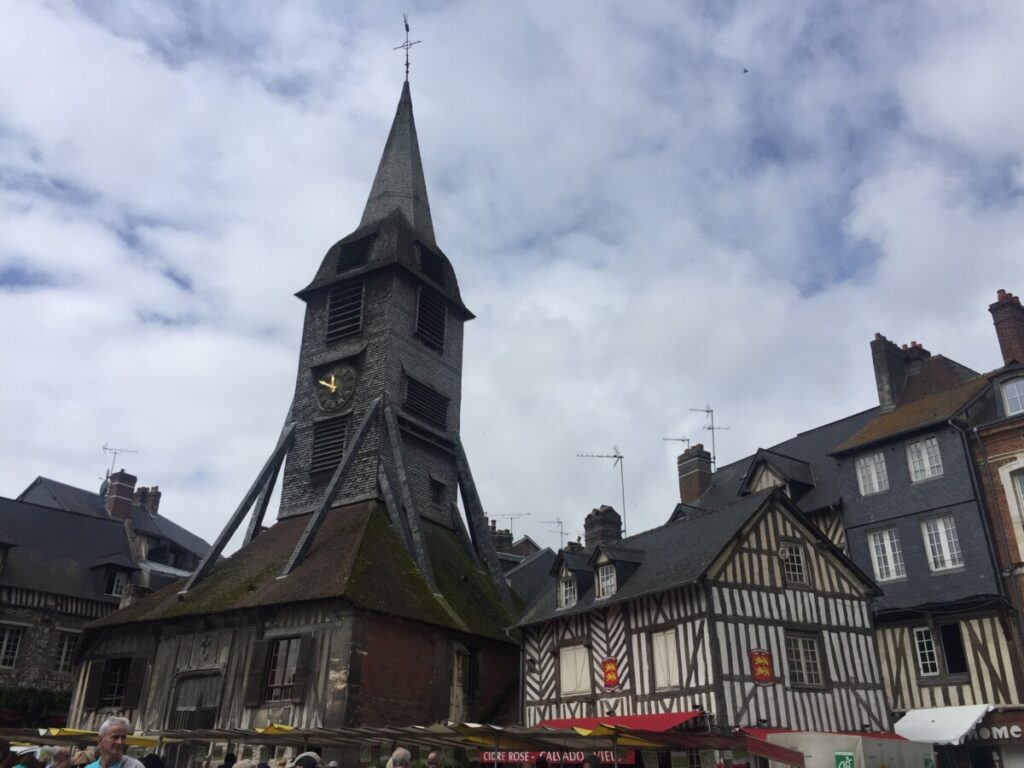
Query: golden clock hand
{"points": [[332, 386]]}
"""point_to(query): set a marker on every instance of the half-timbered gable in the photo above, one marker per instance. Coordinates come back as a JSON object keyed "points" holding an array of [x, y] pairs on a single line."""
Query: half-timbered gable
{"points": [[750, 613]]}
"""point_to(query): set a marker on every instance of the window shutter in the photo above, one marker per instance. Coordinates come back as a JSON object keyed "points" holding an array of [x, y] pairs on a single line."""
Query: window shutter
{"points": [[303, 667], [254, 678], [133, 686], [92, 684]]}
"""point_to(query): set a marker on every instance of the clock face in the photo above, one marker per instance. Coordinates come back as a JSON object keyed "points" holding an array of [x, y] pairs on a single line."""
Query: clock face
{"points": [[335, 386]]}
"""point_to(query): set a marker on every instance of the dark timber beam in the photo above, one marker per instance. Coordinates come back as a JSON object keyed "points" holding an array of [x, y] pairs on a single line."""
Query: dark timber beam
{"points": [[261, 503], [420, 552], [351, 451], [270, 468], [394, 512], [478, 526]]}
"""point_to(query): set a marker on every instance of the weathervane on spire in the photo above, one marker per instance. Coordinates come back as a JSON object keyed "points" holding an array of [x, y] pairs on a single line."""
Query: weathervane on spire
{"points": [[406, 45]]}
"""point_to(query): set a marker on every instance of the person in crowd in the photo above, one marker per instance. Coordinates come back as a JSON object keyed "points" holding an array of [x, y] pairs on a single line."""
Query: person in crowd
{"points": [[229, 760], [401, 758], [305, 760], [435, 760], [83, 757], [29, 760], [61, 758], [112, 742], [153, 760]]}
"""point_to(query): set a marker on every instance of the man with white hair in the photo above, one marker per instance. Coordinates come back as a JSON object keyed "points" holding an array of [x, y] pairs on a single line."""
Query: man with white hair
{"points": [[401, 758], [112, 740]]}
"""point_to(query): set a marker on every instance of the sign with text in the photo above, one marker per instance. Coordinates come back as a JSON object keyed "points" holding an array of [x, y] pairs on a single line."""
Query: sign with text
{"points": [[761, 666], [607, 756]]}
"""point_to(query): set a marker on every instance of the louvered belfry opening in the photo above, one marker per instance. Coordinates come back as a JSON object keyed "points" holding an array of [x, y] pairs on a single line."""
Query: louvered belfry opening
{"points": [[345, 310], [329, 438], [430, 263], [354, 254], [427, 403], [431, 314]]}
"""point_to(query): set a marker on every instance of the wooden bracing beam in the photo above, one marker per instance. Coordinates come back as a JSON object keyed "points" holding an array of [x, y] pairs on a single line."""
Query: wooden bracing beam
{"points": [[394, 511], [265, 478], [256, 521], [351, 451], [478, 526], [419, 545]]}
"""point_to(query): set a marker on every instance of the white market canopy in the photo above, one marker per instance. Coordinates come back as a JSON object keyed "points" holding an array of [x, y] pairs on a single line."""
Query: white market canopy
{"points": [[941, 725]]}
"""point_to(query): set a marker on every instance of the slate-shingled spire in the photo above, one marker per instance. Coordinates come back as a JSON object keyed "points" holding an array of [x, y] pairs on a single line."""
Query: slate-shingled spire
{"points": [[399, 182]]}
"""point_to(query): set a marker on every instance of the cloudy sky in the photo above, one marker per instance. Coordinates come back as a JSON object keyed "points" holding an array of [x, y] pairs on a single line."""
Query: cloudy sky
{"points": [[650, 206]]}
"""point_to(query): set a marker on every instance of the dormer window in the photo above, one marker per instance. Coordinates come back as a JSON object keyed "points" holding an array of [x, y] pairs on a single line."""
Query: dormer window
{"points": [[115, 582], [1013, 396], [606, 580], [566, 591]]}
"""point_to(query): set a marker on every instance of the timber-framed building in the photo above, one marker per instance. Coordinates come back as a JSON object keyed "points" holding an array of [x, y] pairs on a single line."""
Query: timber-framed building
{"points": [[747, 613]]}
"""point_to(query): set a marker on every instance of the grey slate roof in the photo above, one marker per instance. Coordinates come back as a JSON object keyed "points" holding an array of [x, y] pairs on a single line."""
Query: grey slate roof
{"points": [[399, 182], [531, 575], [53, 493], [808, 450], [63, 564], [673, 555]]}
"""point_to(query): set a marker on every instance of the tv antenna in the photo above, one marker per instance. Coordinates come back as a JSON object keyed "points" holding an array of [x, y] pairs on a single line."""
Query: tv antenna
{"points": [[621, 461], [677, 440], [116, 452], [708, 411], [561, 529], [510, 518]]}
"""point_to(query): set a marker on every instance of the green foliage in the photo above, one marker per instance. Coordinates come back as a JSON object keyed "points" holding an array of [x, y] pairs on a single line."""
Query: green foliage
{"points": [[35, 705]]}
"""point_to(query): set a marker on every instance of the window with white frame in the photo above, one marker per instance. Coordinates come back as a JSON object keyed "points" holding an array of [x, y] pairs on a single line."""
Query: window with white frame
{"points": [[942, 543], [886, 554], [666, 659], [804, 657], [10, 640], [115, 582], [924, 459], [871, 474], [1017, 478], [1013, 396], [573, 670], [566, 591], [924, 646], [794, 563], [606, 580]]}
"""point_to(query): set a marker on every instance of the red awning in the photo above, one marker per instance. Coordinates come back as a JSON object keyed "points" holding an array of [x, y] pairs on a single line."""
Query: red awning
{"points": [[653, 723], [775, 752]]}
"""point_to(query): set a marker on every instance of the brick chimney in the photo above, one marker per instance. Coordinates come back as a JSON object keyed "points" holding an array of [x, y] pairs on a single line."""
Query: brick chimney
{"points": [[120, 495], [694, 465], [502, 539], [602, 526], [1008, 317], [148, 498]]}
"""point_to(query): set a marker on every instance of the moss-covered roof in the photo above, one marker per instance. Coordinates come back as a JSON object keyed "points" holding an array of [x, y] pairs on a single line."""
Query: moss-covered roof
{"points": [[355, 556]]}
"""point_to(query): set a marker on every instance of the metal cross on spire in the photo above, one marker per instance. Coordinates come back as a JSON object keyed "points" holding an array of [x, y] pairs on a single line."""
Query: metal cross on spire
{"points": [[407, 45]]}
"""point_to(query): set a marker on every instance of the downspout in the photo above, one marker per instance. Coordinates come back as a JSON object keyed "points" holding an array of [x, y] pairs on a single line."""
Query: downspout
{"points": [[1015, 595], [986, 523]]}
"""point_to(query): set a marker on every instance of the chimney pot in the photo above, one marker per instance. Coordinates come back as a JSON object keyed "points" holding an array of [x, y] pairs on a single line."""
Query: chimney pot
{"points": [[694, 468], [120, 495], [1008, 318], [602, 526]]}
